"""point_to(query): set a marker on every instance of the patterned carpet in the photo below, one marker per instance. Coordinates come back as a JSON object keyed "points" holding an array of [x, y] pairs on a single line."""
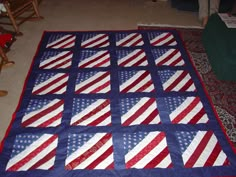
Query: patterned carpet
{"points": [[222, 93]]}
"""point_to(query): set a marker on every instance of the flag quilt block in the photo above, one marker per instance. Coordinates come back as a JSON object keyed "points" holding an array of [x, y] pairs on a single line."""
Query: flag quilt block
{"points": [[92, 59], [135, 57], [168, 57], [43, 113], [115, 104], [56, 60]]}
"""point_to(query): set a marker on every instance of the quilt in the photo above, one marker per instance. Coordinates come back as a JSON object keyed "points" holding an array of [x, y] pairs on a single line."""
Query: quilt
{"points": [[115, 104]]}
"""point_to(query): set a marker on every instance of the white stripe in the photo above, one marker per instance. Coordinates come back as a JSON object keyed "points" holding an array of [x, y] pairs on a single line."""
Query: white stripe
{"points": [[127, 57], [98, 84], [193, 145], [125, 39], [39, 156], [48, 81], [151, 155], [165, 40], [158, 37], [97, 55], [55, 58], [58, 40], [141, 84], [91, 79], [165, 162], [55, 123], [95, 155], [220, 159], [91, 39], [65, 42], [91, 142], [28, 150], [140, 145], [131, 80], [57, 62], [47, 117], [105, 122], [94, 117], [206, 152], [181, 107], [133, 41], [47, 165], [50, 88], [131, 63], [33, 113], [99, 42], [87, 110], [193, 112], [134, 109], [172, 79], [106, 162], [107, 63], [163, 56], [191, 88], [145, 114], [173, 58]]}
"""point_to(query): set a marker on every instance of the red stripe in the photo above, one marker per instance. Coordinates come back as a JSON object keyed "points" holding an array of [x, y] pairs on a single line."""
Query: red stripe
{"points": [[94, 60], [186, 85], [100, 119], [161, 39], [101, 87], [176, 81], [67, 44], [151, 117], [145, 86], [102, 44], [131, 58], [51, 120], [178, 60], [100, 64], [201, 146], [158, 159], [145, 150], [129, 40], [110, 166], [91, 83], [93, 41], [170, 41], [167, 58], [56, 89], [197, 117], [100, 159], [42, 113], [213, 156], [186, 111], [137, 42], [140, 61], [55, 60], [88, 153], [31, 155], [45, 159], [139, 112], [93, 112], [60, 65], [135, 82], [52, 83], [59, 42]]}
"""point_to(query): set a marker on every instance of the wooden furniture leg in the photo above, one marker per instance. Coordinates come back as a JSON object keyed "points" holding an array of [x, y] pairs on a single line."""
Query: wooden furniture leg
{"points": [[4, 60]]}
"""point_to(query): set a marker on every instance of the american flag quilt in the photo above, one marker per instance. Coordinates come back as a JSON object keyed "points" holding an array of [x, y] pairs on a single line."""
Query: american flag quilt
{"points": [[115, 104]]}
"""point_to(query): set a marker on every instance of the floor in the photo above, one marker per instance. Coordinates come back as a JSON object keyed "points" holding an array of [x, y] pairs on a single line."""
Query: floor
{"points": [[78, 15]]}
